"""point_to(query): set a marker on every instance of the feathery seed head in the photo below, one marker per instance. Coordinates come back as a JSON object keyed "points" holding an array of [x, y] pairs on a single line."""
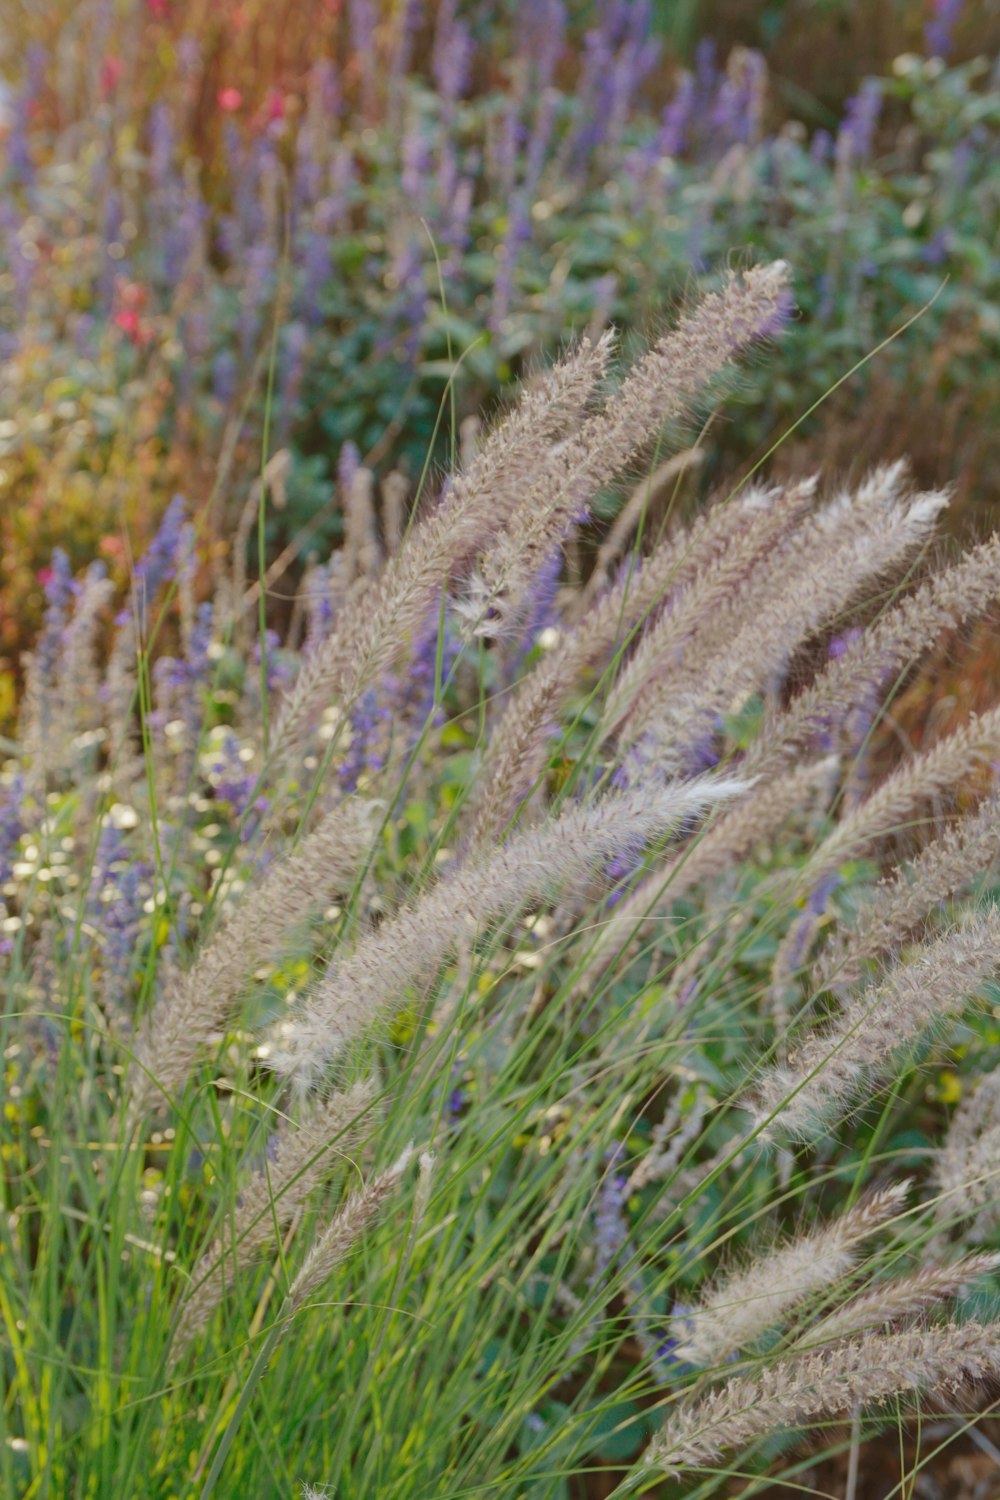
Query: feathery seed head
{"points": [[564, 854], [744, 1306], [834, 1065], [358, 1214], [829, 1382]]}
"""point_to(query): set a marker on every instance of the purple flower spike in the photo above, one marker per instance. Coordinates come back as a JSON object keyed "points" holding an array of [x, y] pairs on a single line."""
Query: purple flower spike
{"points": [[348, 463], [675, 122], [20, 158], [366, 751], [856, 137], [161, 561], [452, 56], [228, 776], [11, 825], [542, 38], [938, 31], [407, 25], [610, 1225], [808, 920], [821, 148], [118, 888], [224, 376], [666, 1363]]}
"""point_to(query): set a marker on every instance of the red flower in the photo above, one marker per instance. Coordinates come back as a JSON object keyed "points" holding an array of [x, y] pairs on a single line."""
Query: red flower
{"points": [[229, 99], [131, 299], [129, 322], [112, 69]]}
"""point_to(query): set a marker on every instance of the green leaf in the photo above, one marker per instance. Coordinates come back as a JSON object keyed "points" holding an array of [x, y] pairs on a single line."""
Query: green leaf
{"points": [[620, 1431]]}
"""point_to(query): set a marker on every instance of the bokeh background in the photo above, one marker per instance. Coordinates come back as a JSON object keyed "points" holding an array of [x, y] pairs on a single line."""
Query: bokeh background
{"points": [[353, 223]]}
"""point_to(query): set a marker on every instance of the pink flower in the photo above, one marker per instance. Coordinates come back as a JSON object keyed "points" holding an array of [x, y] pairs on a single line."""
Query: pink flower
{"points": [[229, 99]]}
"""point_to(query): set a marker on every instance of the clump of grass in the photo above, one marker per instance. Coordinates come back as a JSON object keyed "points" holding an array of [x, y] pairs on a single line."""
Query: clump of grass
{"points": [[418, 1039]]}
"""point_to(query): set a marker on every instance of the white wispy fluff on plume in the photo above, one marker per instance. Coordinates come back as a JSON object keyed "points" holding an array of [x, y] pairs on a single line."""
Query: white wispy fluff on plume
{"points": [[889, 1302], [357, 1214], [745, 1305], [965, 853], [855, 538], [721, 546], [197, 1003], [898, 639], [660, 386], [830, 1382], [835, 1065], [299, 1156], [368, 635], [708, 609], [731, 838], [407, 950], [967, 1165]]}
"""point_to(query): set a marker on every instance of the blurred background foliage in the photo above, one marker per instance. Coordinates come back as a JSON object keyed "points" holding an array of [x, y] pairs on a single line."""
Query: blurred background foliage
{"points": [[387, 213]]}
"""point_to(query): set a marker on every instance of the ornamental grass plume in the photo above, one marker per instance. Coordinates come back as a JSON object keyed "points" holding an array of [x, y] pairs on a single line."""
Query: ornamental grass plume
{"points": [[297, 1159], [395, 494], [361, 545], [890, 1302], [744, 1306], [932, 774], [77, 687], [62, 685], [967, 1164], [849, 543], [962, 855], [829, 1071], [519, 743], [561, 855], [349, 1224], [731, 838], [695, 606], [928, 777], [668, 1142], [805, 1389], [196, 1004], [659, 387], [723, 544], [869, 663], [365, 641]]}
